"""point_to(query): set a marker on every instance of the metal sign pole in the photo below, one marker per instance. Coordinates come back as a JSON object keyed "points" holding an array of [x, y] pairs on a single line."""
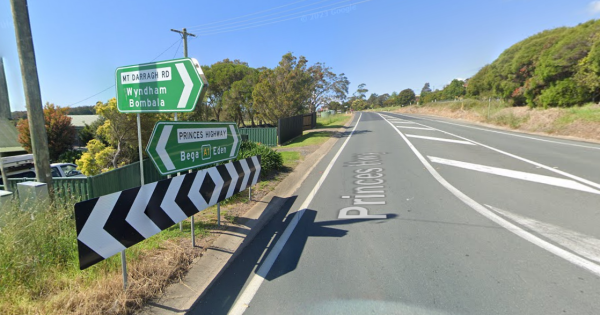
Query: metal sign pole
{"points": [[123, 258], [124, 264], [139, 129], [180, 223]]}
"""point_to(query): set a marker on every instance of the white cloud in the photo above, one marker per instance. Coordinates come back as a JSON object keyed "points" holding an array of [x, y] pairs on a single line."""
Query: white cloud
{"points": [[594, 7]]}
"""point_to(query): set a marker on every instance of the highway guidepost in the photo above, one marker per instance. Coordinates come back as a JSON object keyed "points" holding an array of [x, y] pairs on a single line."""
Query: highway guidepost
{"points": [[169, 86]]}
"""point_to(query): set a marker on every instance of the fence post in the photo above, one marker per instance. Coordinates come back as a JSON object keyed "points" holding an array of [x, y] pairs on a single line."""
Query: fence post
{"points": [[279, 132]]}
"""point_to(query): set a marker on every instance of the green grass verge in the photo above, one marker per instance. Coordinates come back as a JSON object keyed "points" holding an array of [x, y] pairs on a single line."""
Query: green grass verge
{"points": [[335, 121], [311, 138], [588, 113], [290, 158], [39, 255]]}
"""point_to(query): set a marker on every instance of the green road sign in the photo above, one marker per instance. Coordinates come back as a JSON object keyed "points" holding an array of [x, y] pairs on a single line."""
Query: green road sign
{"points": [[177, 146], [164, 86]]}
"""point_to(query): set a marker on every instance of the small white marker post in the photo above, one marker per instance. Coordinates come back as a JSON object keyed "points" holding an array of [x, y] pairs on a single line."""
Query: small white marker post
{"points": [[249, 194], [218, 214], [193, 235]]}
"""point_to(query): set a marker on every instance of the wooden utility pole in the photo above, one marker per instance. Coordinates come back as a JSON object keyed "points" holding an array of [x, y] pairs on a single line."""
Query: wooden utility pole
{"points": [[33, 96], [184, 34], [4, 102]]}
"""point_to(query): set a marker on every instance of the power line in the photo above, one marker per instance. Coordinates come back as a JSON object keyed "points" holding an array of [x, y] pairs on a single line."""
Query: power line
{"points": [[177, 50], [276, 13], [241, 27], [166, 50], [271, 9], [87, 98]]}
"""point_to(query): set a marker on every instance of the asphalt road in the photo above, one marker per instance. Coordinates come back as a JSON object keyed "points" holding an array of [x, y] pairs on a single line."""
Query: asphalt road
{"points": [[411, 215]]}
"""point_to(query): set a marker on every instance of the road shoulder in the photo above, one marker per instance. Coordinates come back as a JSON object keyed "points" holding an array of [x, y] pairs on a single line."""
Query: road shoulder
{"points": [[180, 297]]}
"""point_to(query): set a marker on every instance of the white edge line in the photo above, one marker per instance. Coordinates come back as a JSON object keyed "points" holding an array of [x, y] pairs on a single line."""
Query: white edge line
{"points": [[577, 178], [570, 257], [241, 304], [583, 245], [511, 134]]}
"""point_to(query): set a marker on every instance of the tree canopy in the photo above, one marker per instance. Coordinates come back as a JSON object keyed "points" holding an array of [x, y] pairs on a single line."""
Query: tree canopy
{"points": [[555, 68], [60, 131]]}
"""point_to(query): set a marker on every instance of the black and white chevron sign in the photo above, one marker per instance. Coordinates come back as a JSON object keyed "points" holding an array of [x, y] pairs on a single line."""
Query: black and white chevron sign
{"points": [[111, 223]]}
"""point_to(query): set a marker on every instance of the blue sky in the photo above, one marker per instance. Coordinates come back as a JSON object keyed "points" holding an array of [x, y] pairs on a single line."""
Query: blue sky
{"points": [[388, 44]]}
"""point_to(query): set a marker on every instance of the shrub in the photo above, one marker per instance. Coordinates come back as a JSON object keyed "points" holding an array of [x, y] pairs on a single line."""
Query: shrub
{"points": [[270, 159], [70, 156]]}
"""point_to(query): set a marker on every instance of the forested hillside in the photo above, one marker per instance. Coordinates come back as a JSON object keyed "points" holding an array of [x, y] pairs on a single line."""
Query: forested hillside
{"points": [[555, 68]]}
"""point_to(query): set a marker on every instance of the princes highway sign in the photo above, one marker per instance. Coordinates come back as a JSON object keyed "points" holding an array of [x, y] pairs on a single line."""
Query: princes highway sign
{"points": [[178, 146]]}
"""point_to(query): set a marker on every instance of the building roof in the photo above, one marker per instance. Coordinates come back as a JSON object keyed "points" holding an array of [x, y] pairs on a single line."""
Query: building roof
{"points": [[8, 137], [81, 120]]}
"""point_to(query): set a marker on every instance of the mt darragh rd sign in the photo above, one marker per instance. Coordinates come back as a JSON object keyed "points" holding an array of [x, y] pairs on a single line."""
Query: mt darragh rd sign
{"points": [[164, 86]]}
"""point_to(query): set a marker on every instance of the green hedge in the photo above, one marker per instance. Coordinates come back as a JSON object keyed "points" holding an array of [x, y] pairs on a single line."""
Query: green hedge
{"points": [[270, 159]]}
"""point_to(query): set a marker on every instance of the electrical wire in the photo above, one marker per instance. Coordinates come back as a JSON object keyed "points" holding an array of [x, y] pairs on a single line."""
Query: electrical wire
{"points": [[166, 50], [87, 98], [241, 27], [239, 17], [260, 17], [177, 50]]}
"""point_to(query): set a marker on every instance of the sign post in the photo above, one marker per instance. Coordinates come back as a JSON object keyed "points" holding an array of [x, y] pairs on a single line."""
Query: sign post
{"points": [[158, 87], [179, 146]]}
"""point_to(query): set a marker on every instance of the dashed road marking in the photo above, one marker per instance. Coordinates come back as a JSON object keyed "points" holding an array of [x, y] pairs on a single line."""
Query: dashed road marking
{"points": [[420, 128], [440, 139], [536, 178]]}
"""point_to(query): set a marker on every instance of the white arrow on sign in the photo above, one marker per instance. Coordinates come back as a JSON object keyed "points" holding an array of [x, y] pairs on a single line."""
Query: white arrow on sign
{"points": [[161, 147], [187, 85], [235, 140], [93, 234], [137, 218]]}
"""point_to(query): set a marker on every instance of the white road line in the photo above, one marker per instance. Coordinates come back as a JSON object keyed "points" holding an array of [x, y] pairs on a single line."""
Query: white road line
{"points": [[420, 128], [572, 258], [403, 122], [242, 303], [536, 178], [577, 178], [584, 245], [512, 134], [440, 139]]}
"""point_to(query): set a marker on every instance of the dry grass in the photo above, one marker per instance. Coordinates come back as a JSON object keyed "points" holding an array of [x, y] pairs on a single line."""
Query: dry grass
{"points": [[147, 278], [580, 122], [152, 265]]}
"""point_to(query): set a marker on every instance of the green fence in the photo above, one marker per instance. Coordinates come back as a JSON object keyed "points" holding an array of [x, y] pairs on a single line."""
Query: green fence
{"points": [[128, 176], [123, 178], [266, 136]]}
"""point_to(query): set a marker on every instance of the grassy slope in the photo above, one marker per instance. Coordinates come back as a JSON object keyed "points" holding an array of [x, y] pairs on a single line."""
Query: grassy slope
{"points": [[582, 122]]}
